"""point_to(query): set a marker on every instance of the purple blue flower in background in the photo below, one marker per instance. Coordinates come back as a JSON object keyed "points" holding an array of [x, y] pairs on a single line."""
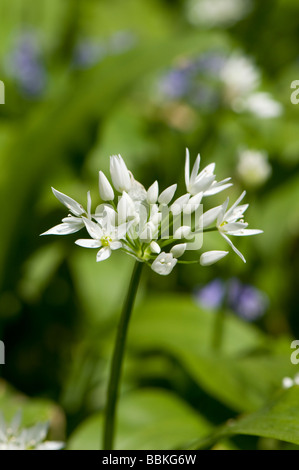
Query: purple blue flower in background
{"points": [[91, 51], [245, 300], [25, 65], [175, 83], [88, 52], [211, 296], [193, 80]]}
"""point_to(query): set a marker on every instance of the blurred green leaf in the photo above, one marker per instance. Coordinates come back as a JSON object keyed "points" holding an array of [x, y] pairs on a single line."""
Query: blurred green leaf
{"points": [[277, 420], [149, 419], [241, 374]]}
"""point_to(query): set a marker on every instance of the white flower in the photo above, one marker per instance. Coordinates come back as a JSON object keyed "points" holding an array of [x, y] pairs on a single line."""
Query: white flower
{"points": [[167, 195], [105, 188], [164, 263], [287, 382], [127, 209], [107, 239], [229, 223], [155, 247], [120, 174], [140, 222], [182, 232], [72, 223], [137, 191], [253, 167], [203, 182], [178, 250], [208, 13], [13, 437], [211, 257], [240, 77], [262, 105], [179, 204], [153, 193]]}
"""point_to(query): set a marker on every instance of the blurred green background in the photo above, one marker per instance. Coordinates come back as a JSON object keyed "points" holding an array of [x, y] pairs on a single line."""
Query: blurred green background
{"points": [[85, 79]]}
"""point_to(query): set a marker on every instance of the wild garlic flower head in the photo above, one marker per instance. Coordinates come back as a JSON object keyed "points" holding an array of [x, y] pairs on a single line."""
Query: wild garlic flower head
{"points": [[152, 226], [253, 167], [13, 437]]}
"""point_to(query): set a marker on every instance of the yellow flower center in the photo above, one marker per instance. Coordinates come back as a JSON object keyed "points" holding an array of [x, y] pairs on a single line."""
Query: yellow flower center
{"points": [[223, 223], [106, 240]]}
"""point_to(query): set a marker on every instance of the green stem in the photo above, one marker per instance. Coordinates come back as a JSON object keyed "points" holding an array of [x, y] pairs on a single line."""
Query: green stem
{"points": [[116, 365]]}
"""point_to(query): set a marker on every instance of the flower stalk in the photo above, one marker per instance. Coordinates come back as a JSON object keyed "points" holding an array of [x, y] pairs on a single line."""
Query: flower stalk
{"points": [[117, 359]]}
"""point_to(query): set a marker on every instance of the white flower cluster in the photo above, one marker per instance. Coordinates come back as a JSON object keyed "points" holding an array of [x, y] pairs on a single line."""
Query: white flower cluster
{"points": [[241, 78], [143, 222], [207, 13], [13, 437]]}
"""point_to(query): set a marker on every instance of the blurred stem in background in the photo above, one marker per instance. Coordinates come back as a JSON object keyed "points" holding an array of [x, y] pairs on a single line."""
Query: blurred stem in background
{"points": [[117, 359]]}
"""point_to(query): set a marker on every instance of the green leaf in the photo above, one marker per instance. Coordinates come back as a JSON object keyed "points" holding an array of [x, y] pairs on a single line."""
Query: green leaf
{"points": [[279, 419], [243, 374], [148, 419]]}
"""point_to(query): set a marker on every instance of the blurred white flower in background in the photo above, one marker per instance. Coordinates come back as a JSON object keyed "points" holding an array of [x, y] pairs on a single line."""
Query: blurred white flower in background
{"points": [[239, 76], [288, 382], [253, 167], [13, 437], [262, 105], [240, 79], [211, 13]]}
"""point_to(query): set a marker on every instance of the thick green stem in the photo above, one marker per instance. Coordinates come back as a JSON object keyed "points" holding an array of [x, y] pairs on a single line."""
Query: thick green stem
{"points": [[116, 365]]}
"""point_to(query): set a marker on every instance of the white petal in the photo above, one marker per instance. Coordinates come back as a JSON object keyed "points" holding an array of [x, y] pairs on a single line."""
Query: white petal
{"points": [[88, 243], [211, 257], [202, 184], [233, 247], [121, 230], [167, 195], [50, 445], [247, 232], [193, 204], [115, 245], [125, 208], [104, 253], [235, 204], [119, 173], [93, 228], [105, 188], [178, 205], [63, 229], [187, 169], [88, 203], [207, 218], [182, 232], [164, 264], [195, 170], [155, 248], [217, 189], [71, 204], [222, 212], [153, 193], [178, 250], [232, 227]]}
